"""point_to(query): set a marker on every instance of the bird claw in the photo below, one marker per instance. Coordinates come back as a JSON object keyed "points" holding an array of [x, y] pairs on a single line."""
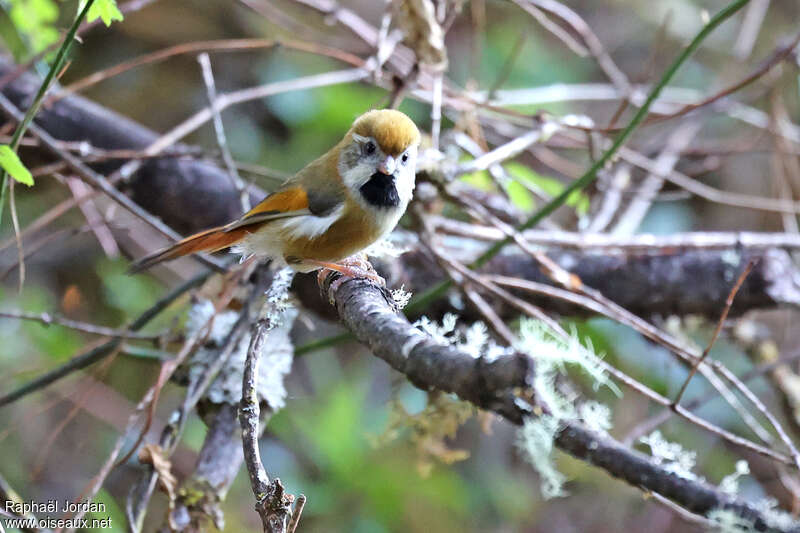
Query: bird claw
{"points": [[350, 268]]}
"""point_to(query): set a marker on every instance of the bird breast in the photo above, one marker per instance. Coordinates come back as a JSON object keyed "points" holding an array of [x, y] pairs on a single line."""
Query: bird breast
{"points": [[352, 232]]}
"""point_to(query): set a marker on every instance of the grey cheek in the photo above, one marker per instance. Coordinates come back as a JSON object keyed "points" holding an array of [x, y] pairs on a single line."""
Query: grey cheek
{"points": [[348, 159]]}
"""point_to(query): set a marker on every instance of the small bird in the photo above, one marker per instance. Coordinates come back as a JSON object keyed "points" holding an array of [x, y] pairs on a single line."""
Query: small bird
{"points": [[335, 207]]}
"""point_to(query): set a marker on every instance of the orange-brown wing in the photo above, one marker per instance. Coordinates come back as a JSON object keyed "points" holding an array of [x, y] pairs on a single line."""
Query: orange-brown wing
{"points": [[285, 203]]}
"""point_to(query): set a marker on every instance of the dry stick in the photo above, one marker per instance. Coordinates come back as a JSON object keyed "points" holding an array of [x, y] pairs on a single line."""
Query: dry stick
{"points": [[273, 504], [226, 100], [450, 266], [751, 26], [593, 44], [94, 218], [711, 194], [48, 319], [219, 129], [229, 45], [12, 202], [50, 215], [563, 35], [57, 236], [634, 212], [100, 352], [298, 512], [97, 180], [500, 176], [723, 316], [629, 244], [650, 424], [564, 92], [693, 186], [64, 206], [779, 55]]}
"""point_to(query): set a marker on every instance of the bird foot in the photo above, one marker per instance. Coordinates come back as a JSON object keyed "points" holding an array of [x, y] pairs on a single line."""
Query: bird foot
{"points": [[353, 267]]}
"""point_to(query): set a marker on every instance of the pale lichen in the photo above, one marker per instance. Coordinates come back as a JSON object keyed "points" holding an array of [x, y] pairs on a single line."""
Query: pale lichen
{"points": [[401, 297], [727, 521], [773, 516], [671, 455], [730, 483], [536, 438], [553, 354], [275, 360], [595, 415]]}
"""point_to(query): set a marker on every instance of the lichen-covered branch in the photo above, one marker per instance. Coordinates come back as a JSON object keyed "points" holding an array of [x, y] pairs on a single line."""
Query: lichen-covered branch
{"points": [[273, 503], [500, 386], [371, 315]]}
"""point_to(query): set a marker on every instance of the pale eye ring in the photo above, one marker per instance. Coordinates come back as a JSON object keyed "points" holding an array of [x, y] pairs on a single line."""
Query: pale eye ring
{"points": [[369, 148], [405, 158]]}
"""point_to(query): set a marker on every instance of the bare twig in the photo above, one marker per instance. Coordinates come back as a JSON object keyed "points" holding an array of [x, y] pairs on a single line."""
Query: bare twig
{"points": [[47, 319], [99, 181], [99, 353], [219, 129], [226, 100], [728, 303]]}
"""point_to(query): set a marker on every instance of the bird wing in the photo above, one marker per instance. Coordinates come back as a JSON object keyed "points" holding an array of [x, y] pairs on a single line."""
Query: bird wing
{"points": [[309, 193], [289, 202]]}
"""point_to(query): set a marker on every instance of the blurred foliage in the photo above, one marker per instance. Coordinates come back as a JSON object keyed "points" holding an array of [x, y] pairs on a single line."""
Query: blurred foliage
{"points": [[35, 21]]}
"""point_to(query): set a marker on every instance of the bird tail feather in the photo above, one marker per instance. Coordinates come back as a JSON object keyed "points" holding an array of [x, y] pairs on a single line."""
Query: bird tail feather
{"points": [[210, 240]]}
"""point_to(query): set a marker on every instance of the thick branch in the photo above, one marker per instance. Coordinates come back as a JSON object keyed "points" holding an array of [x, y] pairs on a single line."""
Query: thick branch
{"points": [[369, 314]]}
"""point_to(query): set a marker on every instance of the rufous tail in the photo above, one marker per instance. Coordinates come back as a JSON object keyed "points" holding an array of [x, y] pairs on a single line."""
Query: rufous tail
{"points": [[210, 240]]}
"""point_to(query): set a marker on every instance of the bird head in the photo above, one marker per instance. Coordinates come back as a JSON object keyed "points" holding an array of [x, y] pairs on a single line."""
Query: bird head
{"points": [[378, 158]]}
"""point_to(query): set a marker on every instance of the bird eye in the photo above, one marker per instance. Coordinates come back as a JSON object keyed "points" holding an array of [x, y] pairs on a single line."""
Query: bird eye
{"points": [[405, 158], [369, 148]]}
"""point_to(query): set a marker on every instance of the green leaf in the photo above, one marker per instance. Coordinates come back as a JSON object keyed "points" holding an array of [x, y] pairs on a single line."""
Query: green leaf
{"points": [[11, 163], [106, 10]]}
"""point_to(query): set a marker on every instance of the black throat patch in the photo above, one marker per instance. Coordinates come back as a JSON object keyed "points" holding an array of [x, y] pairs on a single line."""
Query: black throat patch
{"points": [[380, 191]]}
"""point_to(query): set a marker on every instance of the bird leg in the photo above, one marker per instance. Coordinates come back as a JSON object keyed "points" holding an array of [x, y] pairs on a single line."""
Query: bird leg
{"points": [[355, 266]]}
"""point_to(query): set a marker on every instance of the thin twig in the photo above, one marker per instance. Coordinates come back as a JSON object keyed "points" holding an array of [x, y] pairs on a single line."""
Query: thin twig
{"points": [[100, 182], [219, 129], [48, 319], [723, 316], [226, 100], [104, 350]]}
